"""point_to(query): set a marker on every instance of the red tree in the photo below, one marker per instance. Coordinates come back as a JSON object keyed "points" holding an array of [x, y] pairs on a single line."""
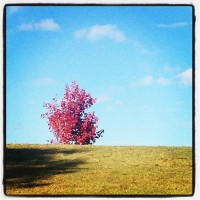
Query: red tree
{"points": [[69, 121]]}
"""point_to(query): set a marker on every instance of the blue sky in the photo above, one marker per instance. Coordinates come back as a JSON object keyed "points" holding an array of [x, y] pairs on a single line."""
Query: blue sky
{"points": [[136, 60]]}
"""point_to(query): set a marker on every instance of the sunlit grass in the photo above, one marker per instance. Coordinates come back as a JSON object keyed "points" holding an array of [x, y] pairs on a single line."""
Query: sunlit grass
{"points": [[98, 170]]}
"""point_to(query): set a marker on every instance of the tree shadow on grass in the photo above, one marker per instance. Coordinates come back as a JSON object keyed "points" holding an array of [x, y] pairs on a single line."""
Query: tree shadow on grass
{"points": [[27, 168]]}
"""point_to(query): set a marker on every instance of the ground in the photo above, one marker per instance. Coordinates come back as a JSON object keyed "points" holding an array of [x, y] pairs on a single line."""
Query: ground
{"points": [[97, 170]]}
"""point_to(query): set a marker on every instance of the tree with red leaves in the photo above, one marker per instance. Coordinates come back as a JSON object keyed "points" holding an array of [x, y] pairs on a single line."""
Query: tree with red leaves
{"points": [[69, 121]]}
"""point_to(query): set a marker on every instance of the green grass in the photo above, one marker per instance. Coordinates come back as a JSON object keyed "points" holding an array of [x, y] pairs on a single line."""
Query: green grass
{"points": [[98, 170]]}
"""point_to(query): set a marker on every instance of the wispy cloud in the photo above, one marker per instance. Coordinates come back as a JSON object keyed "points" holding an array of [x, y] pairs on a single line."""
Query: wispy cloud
{"points": [[42, 25], [99, 32], [174, 25], [186, 77], [141, 48], [150, 80], [44, 81], [164, 81], [13, 9], [171, 69], [168, 68], [103, 99], [145, 81]]}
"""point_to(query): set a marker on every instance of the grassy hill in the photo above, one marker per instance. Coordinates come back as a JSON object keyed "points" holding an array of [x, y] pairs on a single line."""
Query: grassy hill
{"points": [[98, 170]]}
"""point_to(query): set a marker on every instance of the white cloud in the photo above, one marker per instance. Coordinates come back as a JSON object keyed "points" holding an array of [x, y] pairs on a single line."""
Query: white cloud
{"points": [[103, 99], [99, 32], [13, 9], [186, 77], [174, 25], [168, 68], [150, 80], [171, 68], [140, 47], [26, 27], [42, 25], [44, 81], [164, 81], [145, 81]]}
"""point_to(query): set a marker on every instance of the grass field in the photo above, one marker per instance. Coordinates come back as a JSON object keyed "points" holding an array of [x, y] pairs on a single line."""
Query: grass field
{"points": [[98, 170]]}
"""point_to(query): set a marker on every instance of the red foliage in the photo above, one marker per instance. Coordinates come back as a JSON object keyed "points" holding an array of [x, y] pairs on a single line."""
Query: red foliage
{"points": [[69, 122]]}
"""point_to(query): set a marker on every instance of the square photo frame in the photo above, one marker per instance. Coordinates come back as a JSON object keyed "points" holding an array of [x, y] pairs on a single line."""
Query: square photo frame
{"points": [[99, 100]]}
